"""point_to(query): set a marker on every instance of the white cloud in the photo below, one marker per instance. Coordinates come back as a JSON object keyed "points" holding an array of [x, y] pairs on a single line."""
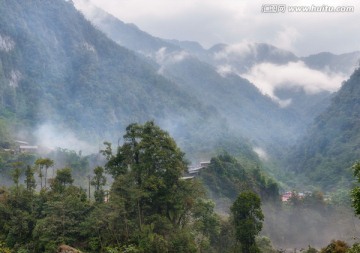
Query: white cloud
{"points": [[85, 7], [241, 50], [231, 21], [6, 43], [261, 153], [164, 58], [267, 77], [49, 136], [225, 70], [286, 38]]}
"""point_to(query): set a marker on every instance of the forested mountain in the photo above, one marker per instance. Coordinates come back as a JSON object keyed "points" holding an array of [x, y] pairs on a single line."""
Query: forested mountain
{"points": [[226, 177], [214, 77], [56, 68], [241, 57], [332, 144], [240, 102], [304, 105], [86, 81], [344, 63], [126, 35], [243, 106]]}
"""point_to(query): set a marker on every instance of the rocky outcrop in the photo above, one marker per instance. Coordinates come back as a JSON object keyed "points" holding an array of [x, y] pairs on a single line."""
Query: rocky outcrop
{"points": [[67, 249]]}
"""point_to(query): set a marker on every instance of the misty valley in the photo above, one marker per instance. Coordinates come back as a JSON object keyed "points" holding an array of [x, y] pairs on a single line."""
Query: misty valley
{"points": [[114, 140]]}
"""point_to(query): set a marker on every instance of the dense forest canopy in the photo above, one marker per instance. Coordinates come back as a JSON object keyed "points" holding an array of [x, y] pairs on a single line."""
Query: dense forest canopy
{"points": [[150, 206], [331, 146]]}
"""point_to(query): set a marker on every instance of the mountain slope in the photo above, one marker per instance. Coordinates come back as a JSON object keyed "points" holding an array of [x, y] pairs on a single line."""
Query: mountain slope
{"points": [[345, 63], [333, 142], [56, 68], [238, 101], [247, 111], [242, 57], [127, 35]]}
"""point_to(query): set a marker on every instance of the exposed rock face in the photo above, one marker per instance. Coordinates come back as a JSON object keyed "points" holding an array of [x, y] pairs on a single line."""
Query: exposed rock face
{"points": [[67, 249]]}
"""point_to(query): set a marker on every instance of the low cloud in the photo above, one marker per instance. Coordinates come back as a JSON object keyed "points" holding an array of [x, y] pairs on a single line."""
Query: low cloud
{"points": [[268, 77], [6, 43], [165, 58], [225, 70], [261, 153], [231, 21], [241, 50], [87, 8], [50, 137]]}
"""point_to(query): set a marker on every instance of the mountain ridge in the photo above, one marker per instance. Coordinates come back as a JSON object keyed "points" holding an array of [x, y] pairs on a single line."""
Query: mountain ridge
{"points": [[173, 58], [64, 72]]}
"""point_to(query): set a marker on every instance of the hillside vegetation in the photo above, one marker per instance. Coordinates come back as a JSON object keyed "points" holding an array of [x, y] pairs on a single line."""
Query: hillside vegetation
{"points": [[56, 68], [150, 207], [332, 144]]}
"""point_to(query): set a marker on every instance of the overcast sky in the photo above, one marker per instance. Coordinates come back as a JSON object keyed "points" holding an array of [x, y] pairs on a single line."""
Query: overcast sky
{"points": [[233, 21]]}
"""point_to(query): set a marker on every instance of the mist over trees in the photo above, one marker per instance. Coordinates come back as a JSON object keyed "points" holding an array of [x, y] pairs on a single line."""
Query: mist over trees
{"points": [[325, 156], [65, 87], [150, 206], [67, 77]]}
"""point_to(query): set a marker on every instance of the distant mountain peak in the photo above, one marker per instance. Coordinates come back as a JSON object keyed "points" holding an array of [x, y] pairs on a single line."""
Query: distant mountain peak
{"points": [[217, 47]]}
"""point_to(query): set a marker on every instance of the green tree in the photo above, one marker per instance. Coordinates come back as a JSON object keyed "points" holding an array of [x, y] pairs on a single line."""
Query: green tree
{"points": [[99, 181], [314, 200], [107, 225], [72, 159], [63, 178], [115, 165], [154, 163], [206, 224], [264, 244], [63, 213], [310, 250], [16, 173], [355, 192], [4, 249], [227, 177], [354, 249], [336, 247], [17, 220], [44, 163], [5, 135], [155, 205], [247, 218], [29, 179], [225, 241]]}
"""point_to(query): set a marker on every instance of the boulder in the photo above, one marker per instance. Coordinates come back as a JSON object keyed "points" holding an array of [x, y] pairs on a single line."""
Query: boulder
{"points": [[67, 249]]}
